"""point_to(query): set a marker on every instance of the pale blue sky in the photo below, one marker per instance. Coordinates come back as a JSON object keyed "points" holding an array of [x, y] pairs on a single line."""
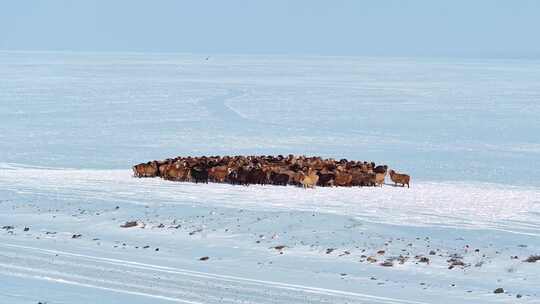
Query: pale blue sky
{"points": [[475, 28]]}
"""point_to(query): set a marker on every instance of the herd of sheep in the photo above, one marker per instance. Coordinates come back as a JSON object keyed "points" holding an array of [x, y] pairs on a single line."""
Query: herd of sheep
{"points": [[307, 172]]}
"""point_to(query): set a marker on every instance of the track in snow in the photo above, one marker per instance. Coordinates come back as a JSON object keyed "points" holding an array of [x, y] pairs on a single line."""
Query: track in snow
{"points": [[164, 283]]}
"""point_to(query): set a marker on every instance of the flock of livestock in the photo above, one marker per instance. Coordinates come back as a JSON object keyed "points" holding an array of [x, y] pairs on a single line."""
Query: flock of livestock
{"points": [[307, 172]]}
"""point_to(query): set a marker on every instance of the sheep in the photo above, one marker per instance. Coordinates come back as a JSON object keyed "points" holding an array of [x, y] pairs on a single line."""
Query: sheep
{"points": [[398, 178], [380, 174], [149, 169], [278, 170], [199, 174], [309, 180], [379, 178], [218, 174], [343, 179]]}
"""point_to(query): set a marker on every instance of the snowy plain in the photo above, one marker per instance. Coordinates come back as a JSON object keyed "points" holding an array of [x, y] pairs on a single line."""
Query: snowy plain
{"points": [[73, 124]]}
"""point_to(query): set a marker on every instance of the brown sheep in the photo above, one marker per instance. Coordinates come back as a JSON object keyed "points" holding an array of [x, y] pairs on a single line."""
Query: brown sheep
{"points": [[177, 172], [380, 169], [137, 170], [163, 165], [343, 179], [279, 178], [149, 169], [218, 174], [363, 179], [297, 178], [398, 178]]}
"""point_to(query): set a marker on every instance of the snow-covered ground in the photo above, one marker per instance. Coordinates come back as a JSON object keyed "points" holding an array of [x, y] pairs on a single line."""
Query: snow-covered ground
{"points": [[331, 237], [73, 124]]}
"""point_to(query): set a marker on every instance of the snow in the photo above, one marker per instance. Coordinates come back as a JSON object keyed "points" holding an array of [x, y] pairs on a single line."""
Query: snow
{"points": [[73, 124], [451, 204], [438, 119], [238, 226]]}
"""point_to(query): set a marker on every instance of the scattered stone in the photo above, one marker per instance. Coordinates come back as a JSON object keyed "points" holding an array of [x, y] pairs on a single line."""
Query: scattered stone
{"points": [[498, 290], [195, 231], [129, 224], [329, 250], [455, 256], [432, 252], [402, 259], [76, 236], [380, 252], [455, 260], [157, 249], [26, 229], [424, 260], [8, 227], [519, 296], [204, 258], [146, 247], [532, 259], [387, 264]]}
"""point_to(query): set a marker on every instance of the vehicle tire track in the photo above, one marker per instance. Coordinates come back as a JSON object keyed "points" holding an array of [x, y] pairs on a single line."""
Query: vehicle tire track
{"points": [[166, 283]]}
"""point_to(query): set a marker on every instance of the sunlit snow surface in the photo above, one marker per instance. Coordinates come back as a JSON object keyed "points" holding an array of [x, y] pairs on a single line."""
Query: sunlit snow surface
{"points": [[73, 124], [460, 205], [238, 226]]}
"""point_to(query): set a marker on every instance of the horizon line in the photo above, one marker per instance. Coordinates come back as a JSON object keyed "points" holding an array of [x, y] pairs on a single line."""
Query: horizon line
{"points": [[531, 56]]}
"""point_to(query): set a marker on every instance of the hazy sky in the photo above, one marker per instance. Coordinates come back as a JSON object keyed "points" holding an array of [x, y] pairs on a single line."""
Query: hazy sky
{"points": [[478, 28]]}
